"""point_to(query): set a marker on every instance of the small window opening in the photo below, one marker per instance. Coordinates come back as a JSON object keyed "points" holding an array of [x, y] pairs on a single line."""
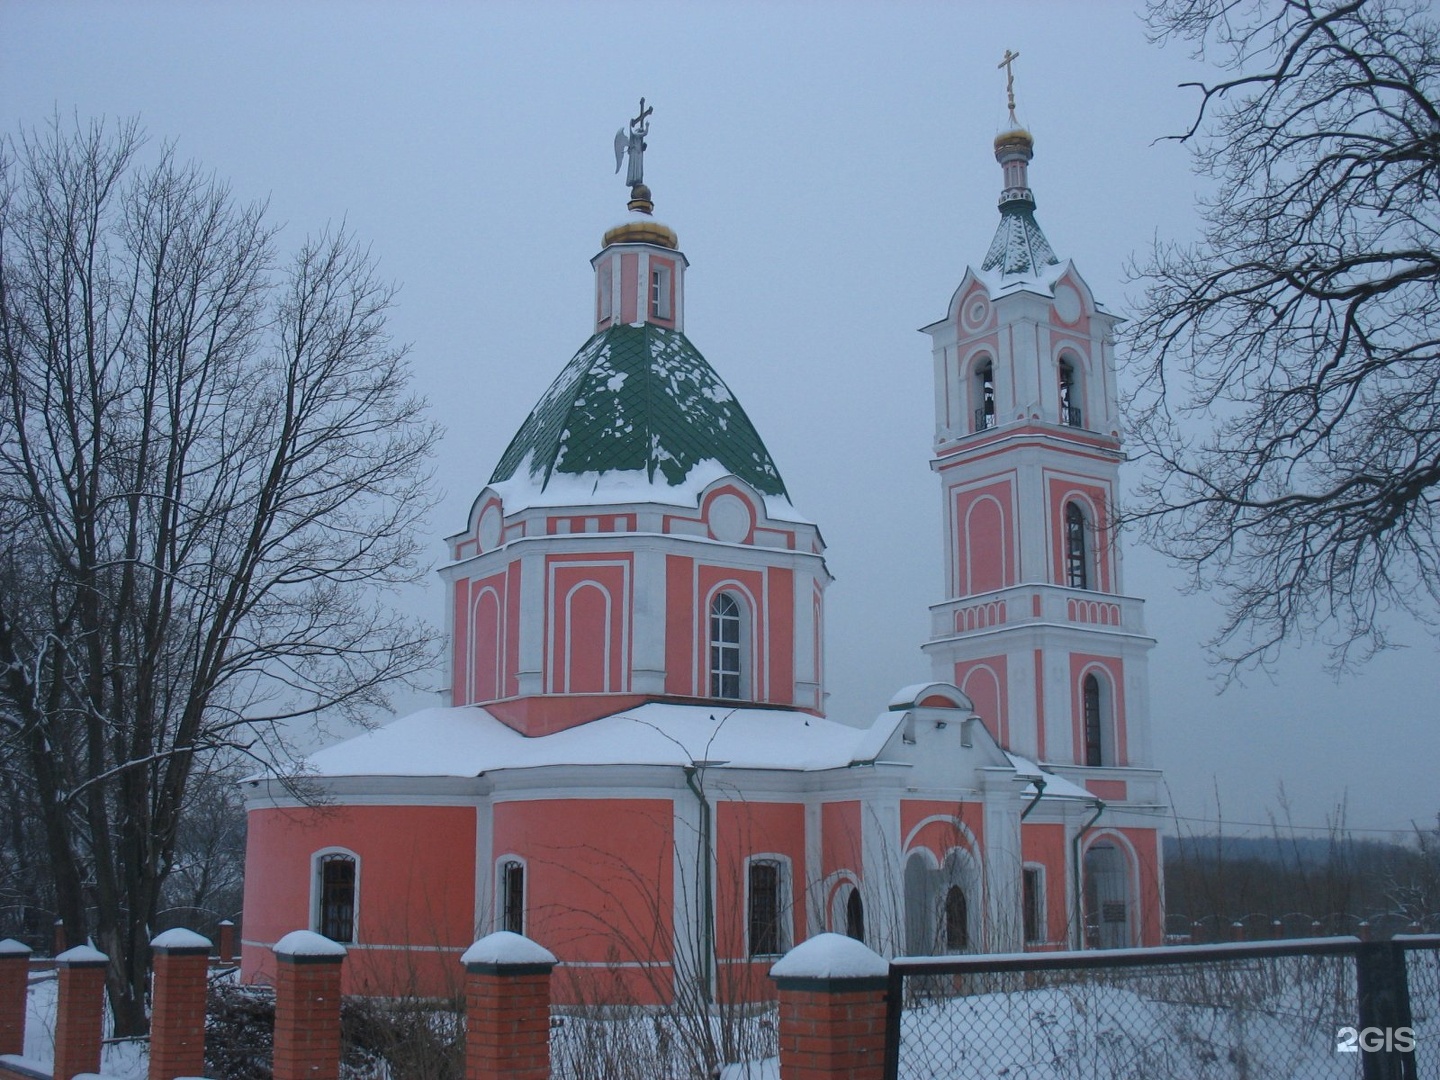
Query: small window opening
{"points": [[660, 292], [765, 908], [337, 898], [855, 916], [957, 920], [512, 891], [1094, 742], [1076, 568], [1030, 905], [1070, 414], [985, 391]]}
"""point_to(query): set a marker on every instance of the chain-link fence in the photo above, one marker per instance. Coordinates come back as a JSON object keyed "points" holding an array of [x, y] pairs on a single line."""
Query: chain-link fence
{"points": [[1285, 1010]]}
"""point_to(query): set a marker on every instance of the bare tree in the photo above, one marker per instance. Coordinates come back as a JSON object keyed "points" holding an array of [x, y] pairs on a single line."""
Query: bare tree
{"points": [[1289, 361], [210, 471]]}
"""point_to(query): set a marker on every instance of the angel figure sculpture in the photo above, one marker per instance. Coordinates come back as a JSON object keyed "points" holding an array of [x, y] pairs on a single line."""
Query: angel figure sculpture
{"points": [[633, 144]]}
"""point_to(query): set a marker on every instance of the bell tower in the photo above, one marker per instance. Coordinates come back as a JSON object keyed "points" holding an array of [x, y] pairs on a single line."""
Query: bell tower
{"points": [[1035, 625]]}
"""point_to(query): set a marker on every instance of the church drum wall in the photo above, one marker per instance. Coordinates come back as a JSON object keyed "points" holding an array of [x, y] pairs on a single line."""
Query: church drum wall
{"points": [[745, 830], [415, 886], [599, 884]]}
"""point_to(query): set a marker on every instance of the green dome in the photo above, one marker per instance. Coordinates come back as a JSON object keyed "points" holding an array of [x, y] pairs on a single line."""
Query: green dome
{"points": [[638, 399]]}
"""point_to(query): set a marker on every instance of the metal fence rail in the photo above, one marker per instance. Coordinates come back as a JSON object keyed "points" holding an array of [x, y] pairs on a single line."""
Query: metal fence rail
{"points": [[1305, 1009]]}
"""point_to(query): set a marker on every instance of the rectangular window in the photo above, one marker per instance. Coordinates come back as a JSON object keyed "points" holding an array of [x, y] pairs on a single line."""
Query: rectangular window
{"points": [[765, 908], [1031, 905], [660, 292], [337, 898], [512, 891]]}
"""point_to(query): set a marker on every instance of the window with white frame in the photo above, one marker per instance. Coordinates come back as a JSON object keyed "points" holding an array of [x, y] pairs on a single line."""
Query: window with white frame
{"points": [[765, 904], [660, 292], [336, 879], [726, 640]]}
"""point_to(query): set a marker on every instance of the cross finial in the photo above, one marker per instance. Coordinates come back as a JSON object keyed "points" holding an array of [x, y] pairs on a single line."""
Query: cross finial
{"points": [[1010, 58]]}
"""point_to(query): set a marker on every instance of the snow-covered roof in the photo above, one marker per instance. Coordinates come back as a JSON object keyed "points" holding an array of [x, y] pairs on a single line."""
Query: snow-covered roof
{"points": [[636, 413], [468, 741], [1056, 787]]}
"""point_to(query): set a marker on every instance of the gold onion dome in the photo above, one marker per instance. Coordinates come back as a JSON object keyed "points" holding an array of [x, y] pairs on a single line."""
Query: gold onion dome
{"points": [[641, 232], [1017, 138]]}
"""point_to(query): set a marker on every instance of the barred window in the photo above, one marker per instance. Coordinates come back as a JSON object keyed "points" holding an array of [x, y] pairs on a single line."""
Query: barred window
{"points": [[337, 898], [512, 893], [1076, 569], [766, 907]]}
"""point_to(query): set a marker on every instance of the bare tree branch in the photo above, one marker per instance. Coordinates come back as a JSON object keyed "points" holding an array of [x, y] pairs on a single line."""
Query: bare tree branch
{"points": [[1289, 361]]}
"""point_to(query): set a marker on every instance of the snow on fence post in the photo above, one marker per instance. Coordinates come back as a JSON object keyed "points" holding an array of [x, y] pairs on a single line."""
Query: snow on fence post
{"points": [[78, 1011], [832, 1010], [177, 1011], [14, 979], [307, 1007], [507, 1008]]}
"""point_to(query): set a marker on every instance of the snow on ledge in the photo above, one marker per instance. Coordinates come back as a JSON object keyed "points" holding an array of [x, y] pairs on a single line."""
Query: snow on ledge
{"points": [[504, 947], [307, 943], [11, 947], [180, 938], [82, 954], [830, 956]]}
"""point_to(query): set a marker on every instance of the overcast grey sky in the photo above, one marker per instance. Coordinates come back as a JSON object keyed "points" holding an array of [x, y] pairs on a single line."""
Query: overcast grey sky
{"points": [[829, 172]]}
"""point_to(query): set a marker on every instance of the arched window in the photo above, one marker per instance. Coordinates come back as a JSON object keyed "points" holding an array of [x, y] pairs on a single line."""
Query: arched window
{"points": [[855, 916], [957, 920], [512, 896], [1076, 560], [1094, 721], [985, 395], [1070, 413], [726, 673], [335, 915]]}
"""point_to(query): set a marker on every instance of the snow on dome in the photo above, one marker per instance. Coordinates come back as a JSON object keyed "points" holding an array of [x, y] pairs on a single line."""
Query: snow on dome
{"points": [[507, 947], [307, 943], [830, 956], [180, 938], [636, 411], [11, 947], [82, 954]]}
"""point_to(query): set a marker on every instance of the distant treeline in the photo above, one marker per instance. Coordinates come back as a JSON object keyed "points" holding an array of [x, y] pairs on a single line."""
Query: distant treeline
{"points": [[1232, 877]]}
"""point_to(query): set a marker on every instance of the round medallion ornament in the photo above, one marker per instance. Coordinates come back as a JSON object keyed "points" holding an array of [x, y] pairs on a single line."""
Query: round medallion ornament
{"points": [[1067, 303], [729, 518], [976, 312], [489, 531]]}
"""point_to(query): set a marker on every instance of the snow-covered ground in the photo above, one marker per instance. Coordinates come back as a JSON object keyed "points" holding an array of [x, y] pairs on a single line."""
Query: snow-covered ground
{"points": [[120, 1060]]}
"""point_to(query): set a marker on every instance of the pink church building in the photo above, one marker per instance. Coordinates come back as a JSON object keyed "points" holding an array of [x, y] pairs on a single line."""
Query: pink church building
{"points": [[634, 767]]}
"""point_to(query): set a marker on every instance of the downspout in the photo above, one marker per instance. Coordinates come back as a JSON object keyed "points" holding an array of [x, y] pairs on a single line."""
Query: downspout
{"points": [[1039, 783], [1075, 873], [706, 940]]}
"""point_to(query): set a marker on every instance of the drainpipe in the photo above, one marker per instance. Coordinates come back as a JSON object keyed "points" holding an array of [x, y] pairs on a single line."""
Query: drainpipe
{"points": [[1039, 783], [706, 940], [1075, 872]]}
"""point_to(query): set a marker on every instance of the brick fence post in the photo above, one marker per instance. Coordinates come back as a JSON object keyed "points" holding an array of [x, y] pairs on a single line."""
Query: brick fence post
{"points": [[225, 943], [307, 1007], [832, 1010], [14, 982], [507, 1008], [78, 1011], [177, 1004]]}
